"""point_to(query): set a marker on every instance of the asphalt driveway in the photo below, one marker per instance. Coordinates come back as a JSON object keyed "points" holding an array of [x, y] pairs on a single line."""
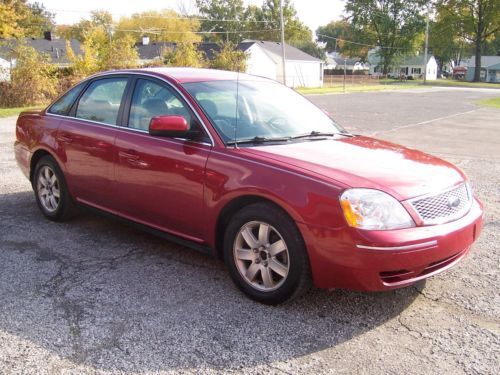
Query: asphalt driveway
{"points": [[95, 296]]}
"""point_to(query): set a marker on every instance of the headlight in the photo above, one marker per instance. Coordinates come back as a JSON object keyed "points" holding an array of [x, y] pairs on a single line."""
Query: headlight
{"points": [[374, 209]]}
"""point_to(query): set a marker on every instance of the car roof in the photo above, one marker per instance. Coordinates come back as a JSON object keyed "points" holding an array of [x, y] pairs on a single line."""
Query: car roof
{"points": [[186, 75]]}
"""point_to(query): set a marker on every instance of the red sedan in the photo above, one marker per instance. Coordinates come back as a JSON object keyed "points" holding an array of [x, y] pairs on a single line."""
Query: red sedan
{"points": [[247, 170]]}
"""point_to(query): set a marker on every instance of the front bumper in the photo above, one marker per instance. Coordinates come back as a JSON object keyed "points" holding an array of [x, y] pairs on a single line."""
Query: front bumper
{"points": [[381, 260]]}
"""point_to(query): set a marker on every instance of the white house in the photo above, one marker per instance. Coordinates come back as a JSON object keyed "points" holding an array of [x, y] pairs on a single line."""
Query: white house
{"points": [[264, 59], [49, 45], [490, 68], [334, 61], [4, 70], [302, 69], [410, 66]]}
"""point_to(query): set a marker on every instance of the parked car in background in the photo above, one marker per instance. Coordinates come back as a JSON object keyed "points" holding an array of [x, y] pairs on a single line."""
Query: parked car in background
{"points": [[247, 170]]}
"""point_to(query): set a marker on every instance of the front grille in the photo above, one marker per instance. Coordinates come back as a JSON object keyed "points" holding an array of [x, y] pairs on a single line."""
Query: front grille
{"points": [[443, 207]]}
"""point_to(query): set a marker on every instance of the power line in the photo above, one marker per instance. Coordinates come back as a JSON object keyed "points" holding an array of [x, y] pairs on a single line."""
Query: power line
{"points": [[359, 44], [166, 31], [163, 17]]}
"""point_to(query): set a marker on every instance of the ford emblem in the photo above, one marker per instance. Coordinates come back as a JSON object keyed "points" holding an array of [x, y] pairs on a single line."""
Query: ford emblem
{"points": [[453, 202]]}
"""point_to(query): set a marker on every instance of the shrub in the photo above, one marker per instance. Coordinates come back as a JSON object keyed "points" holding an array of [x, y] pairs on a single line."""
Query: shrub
{"points": [[229, 58], [33, 79]]}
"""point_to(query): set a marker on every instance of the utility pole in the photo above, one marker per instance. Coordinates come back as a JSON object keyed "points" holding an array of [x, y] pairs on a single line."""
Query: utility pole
{"points": [[345, 71], [283, 60], [426, 44]]}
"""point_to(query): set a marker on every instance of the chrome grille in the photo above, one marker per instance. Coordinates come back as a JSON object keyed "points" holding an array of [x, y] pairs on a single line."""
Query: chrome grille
{"points": [[443, 207]]}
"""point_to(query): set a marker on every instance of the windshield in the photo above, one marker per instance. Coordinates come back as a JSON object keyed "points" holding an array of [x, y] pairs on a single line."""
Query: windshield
{"points": [[266, 110]]}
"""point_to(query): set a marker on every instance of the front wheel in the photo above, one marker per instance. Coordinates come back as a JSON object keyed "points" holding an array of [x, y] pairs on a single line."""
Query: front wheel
{"points": [[265, 254]]}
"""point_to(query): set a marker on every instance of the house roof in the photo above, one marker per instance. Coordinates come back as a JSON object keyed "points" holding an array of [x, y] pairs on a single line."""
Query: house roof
{"points": [[274, 51], [374, 59], [211, 48], [339, 60], [494, 67], [486, 61], [153, 50], [55, 48]]}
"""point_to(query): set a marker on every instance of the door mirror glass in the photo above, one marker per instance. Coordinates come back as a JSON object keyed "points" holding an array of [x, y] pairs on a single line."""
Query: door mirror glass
{"points": [[168, 126]]}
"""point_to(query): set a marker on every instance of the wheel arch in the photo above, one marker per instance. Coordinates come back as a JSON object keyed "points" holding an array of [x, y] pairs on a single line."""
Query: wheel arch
{"points": [[235, 205], [37, 155]]}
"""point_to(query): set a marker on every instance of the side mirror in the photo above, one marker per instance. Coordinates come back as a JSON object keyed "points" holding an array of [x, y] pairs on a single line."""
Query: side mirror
{"points": [[168, 126]]}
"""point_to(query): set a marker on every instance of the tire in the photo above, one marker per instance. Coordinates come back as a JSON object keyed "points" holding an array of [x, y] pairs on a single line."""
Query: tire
{"points": [[51, 192], [265, 254]]}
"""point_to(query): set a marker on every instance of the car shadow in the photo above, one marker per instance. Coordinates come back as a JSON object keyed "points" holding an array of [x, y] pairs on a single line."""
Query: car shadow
{"points": [[104, 295]]}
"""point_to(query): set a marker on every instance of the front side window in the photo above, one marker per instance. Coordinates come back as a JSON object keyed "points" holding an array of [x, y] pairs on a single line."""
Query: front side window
{"points": [[101, 101], [152, 99], [247, 109], [63, 105]]}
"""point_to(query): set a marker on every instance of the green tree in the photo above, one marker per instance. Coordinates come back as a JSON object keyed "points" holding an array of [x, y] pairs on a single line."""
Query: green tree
{"points": [[88, 61], [396, 25], [37, 20], [332, 33], [12, 12], [225, 19], [185, 54], [267, 19], [342, 37], [160, 26], [120, 54], [229, 58], [492, 46], [445, 43], [312, 49], [474, 20], [100, 19]]}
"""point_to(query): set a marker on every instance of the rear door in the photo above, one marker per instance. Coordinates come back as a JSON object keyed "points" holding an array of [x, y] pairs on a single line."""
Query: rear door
{"points": [[160, 180], [87, 138]]}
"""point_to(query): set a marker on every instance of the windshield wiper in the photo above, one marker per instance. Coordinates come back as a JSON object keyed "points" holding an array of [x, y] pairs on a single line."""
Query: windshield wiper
{"points": [[314, 133], [258, 139]]}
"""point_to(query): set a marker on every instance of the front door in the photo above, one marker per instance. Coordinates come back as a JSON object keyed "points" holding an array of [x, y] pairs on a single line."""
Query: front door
{"points": [[160, 181]]}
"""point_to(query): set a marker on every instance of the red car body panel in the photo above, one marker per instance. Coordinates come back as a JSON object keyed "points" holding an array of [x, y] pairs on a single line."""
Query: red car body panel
{"points": [[182, 188]]}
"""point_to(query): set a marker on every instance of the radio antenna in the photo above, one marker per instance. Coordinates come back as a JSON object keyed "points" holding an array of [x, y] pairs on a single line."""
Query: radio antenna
{"points": [[237, 103]]}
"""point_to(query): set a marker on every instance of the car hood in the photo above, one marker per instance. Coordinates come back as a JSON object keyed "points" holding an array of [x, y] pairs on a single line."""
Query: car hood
{"points": [[367, 162]]}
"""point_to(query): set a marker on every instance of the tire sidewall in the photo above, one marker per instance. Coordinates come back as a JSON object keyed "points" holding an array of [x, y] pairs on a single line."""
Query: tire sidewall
{"points": [[296, 251], [64, 198]]}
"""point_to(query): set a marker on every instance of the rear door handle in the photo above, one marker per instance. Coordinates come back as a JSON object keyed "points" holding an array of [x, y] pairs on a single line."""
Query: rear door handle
{"points": [[130, 155], [64, 139]]}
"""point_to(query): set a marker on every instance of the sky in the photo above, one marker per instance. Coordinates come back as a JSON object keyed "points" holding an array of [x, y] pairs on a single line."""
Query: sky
{"points": [[313, 13]]}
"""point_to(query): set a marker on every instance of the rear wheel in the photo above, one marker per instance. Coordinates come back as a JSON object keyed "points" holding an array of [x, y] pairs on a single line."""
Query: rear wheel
{"points": [[50, 189], [265, 254]]}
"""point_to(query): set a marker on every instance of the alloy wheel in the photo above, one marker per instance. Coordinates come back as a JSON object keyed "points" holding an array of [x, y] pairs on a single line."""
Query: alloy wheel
{"points": [[48, 189], [261, 256]]}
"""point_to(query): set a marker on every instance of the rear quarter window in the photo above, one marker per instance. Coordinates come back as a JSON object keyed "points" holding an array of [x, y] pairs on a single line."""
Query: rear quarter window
{"points": [[65, 102]]}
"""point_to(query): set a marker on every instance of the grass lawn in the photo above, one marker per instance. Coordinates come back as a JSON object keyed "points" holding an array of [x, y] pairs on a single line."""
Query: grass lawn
{"points": [[454, 83], [491, 102], [356, 88], [7, 112], [391, 84]]}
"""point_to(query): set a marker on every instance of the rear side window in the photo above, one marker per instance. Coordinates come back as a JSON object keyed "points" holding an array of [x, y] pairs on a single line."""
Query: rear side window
{"points": [[101, 101], [63, 105]]}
